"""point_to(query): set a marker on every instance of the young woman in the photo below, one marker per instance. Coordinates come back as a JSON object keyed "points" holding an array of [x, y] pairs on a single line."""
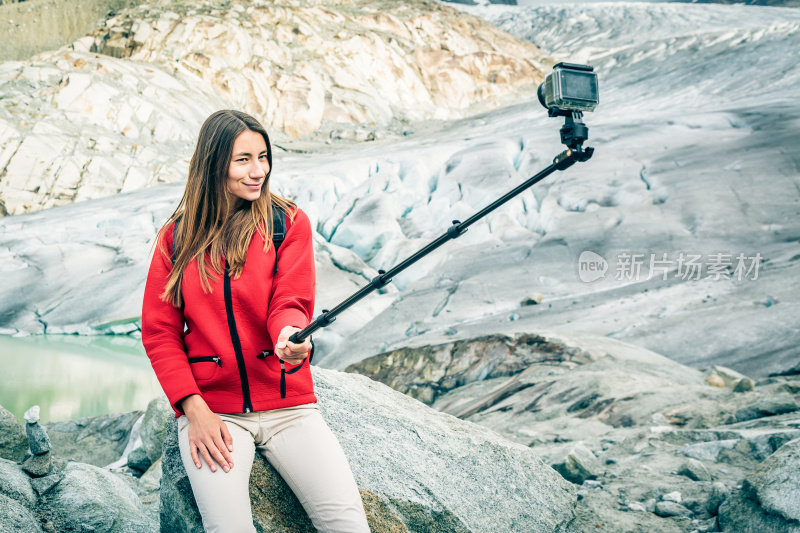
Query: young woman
{"points": [[219, 307]]}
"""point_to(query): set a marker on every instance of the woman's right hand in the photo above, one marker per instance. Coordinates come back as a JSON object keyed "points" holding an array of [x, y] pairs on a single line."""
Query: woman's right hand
{"points": [[208, 435]]}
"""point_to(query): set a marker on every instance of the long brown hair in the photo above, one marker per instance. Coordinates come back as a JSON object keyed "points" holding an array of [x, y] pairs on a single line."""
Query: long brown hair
{"points": [[213, 223]]}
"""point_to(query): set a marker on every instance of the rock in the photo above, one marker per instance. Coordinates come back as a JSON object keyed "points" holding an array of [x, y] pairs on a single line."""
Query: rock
{"points": [[31, 416], [417, 470], [718, 494], [730, 376], [15, 518], [38, 440], [577, 465], [15, 484], [715, 380], [91, 497], [636, 506], [96, 440], [43, 484], [708, 451], [744, 385], [767, 407], [695, 470], [38, 465], [154, 426], [533, 299], [671, 497], [669, 508], [769, 499], [13, 441], [139, 460], [149, 491]]}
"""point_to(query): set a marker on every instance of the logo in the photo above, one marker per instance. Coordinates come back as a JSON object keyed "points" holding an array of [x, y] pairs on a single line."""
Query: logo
{"points": [[591, 266]]}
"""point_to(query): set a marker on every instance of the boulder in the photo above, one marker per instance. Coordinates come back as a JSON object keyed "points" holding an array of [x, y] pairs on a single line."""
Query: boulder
{"points": [[778, 405], [769, 499], [91, 497], [668, 508], [417, 470], [577, 464], [154, 426], [695, 470], [15, 484], [13, 441], [15, 518], [98, 440], [744, 385], [138, 460]]}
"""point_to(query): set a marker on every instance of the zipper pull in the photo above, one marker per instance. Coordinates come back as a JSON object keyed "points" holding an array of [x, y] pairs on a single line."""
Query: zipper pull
{"points": [[217, 359]]}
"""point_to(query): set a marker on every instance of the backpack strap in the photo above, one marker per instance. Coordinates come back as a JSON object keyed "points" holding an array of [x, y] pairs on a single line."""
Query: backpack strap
{"points": [[278, 231]]}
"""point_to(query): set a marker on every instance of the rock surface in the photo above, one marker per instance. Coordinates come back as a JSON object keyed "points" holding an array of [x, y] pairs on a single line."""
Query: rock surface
{"points": [[154, 427], [15, 518], [13, 440], [652, 445], [97, 441], [417, 470], [91, 497], [769, 499]]}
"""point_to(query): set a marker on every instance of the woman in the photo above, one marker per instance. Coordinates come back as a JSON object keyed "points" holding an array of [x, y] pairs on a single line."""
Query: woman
{"points": [[236, 382]]}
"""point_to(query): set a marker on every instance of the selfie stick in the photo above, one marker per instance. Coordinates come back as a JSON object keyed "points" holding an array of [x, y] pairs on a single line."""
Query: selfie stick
{"points": [[573, 133]]}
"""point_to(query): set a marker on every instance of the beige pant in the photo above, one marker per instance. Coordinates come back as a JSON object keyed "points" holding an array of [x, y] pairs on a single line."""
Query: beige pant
{"points": [[304, 451]]}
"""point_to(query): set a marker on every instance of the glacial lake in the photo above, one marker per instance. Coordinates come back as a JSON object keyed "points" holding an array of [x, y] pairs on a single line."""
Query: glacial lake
{"points": [[72, 376]]}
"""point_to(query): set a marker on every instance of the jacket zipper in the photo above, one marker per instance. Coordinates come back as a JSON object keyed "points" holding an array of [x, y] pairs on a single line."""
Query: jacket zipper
{"points": [[247, 406], [207, 359]]}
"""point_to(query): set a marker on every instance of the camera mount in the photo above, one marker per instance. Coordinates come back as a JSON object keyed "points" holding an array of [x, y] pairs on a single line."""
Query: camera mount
{"points": [[573, 134]]}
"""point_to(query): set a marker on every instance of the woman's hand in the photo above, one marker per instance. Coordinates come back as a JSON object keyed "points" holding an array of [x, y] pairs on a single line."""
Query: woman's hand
{"points": [[208, 434], [288, 351]]}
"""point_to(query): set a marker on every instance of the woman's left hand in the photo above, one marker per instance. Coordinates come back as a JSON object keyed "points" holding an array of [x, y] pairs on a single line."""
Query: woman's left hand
{"points": [[288, 351]]}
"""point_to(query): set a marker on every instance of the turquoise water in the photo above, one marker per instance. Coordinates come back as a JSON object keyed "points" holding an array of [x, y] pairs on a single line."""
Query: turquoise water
{"points": [[72, 376]]}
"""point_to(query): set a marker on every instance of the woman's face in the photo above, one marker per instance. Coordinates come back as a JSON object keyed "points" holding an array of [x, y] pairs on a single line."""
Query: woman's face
{"points": [[249, 166]]}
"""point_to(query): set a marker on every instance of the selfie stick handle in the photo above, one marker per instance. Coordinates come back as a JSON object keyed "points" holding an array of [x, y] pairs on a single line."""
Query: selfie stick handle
{"points": [[563, 161]]}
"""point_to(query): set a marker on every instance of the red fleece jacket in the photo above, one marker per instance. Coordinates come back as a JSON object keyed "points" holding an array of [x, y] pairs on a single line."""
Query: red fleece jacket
{"points": [[261, 307]]}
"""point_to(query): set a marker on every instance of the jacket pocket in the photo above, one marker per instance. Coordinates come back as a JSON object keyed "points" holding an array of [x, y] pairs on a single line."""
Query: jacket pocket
{"points": [[204, 367]]}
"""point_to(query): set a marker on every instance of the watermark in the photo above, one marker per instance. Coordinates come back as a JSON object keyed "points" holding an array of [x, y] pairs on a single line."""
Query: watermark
{"points": [[631, 266]]}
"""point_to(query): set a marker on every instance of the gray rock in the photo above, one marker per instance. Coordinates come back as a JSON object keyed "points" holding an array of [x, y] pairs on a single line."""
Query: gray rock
{"points": [[98, 440], [38, 465], [708, 451], [577, 464], [668, 508], [91, 497], [674, 496], [695, 470], [767, 407], [719, 492], [744, 385], [149, 491], [417, 469], [139, 460], [13, 441], [38, 440], [43, 484], [15, 484], [769, 499], [14, 518], [154, 426]]}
